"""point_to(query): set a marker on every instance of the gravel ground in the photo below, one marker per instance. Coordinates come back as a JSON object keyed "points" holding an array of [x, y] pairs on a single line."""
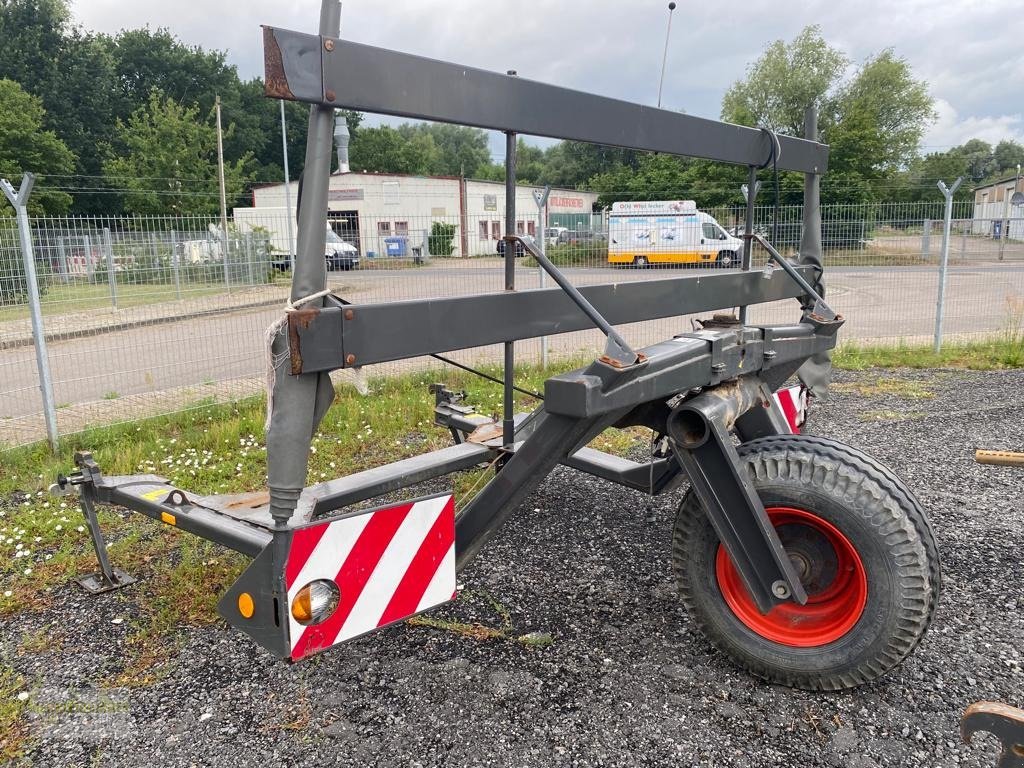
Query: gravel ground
{"points": [[626, 680]]}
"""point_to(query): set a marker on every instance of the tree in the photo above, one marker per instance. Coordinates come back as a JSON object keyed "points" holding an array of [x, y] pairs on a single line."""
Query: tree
{"points": [[1008, 155], [26, 146], [168, 161], [877, 119], [387, 150], [784, 82], [462, 150]]}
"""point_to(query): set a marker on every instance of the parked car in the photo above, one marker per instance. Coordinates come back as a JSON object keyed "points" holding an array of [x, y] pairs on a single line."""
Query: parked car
{"points": [[556, 235], [338, 253], [520, 251], [586, 237]]}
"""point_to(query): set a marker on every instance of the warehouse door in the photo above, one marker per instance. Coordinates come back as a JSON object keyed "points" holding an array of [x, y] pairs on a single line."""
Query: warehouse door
{"points": [[346, 226]]}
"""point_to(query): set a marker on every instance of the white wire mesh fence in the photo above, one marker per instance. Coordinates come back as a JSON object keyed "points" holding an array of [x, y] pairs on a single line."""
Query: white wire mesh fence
{"points": [[150, 315]]}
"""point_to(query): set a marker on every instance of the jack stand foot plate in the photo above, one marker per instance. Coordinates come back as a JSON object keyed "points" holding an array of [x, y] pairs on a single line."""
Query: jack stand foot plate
{"points": [[96, 583]]}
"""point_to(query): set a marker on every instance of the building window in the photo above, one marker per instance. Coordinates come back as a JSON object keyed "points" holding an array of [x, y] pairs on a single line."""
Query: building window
{"points": [[531, 228], [484, 230], [401, 227], [384, 227], [520, 228], [496, 230]]}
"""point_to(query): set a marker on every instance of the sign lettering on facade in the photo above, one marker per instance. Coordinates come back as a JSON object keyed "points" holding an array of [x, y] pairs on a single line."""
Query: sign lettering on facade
{"points": [[345, 194], [566, 202]]}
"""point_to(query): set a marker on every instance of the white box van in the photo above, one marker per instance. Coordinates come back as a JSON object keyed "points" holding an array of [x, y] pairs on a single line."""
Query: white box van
{"points": [[668, 232]]}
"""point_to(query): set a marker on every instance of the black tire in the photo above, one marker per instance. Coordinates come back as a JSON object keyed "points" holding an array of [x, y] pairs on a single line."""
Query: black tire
{"points": [[876, 515], [640, 262], [725, 259]]}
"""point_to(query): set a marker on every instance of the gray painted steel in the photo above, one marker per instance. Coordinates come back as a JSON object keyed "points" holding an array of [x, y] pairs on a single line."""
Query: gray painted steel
{"points": [[300, 402], [377, 80], [699, 433], [398, 330]]}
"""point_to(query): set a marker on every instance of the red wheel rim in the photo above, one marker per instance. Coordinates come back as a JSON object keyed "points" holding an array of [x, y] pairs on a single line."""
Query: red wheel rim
{"points": [[830, 570]]}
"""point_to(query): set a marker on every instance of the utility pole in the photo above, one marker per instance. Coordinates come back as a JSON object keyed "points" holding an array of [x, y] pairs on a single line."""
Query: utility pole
{"points": [[223, 195], [287, 191], [664, 57]]}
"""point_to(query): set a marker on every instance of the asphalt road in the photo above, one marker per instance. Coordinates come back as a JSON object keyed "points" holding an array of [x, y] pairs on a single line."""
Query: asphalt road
{"points": [[878, 303]]}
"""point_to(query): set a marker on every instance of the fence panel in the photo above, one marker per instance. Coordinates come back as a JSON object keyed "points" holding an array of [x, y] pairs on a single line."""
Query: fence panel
{"points": [[148, 315]]}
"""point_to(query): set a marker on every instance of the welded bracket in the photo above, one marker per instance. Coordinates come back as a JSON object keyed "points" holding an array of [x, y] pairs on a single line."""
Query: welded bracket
{"points": [[698, 431]]}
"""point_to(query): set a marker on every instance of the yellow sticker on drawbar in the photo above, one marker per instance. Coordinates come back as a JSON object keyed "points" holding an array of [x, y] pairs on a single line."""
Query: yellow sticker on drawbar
{"points": [[155, 494]]}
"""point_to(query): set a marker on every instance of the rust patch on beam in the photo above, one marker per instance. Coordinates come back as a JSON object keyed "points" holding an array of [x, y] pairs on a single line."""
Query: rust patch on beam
{"points": [[298, 318], [276, 82]]}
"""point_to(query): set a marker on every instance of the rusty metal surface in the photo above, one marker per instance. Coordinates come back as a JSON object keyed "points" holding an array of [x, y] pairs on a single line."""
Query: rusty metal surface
{"points": [[276, 81], [486, 432], [1000, 458], [1001, 720], [298, 318]]}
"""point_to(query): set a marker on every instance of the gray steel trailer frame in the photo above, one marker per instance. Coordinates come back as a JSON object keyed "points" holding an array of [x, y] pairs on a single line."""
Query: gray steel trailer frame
{"points": [[694, 390]]}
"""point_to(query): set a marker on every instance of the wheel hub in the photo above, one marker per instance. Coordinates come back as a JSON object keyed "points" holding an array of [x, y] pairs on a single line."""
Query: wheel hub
{"points": [[830, 571]]}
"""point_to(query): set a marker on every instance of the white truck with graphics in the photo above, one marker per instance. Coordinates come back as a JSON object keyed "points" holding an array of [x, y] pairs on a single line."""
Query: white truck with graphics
{"points": [[668, 232]]}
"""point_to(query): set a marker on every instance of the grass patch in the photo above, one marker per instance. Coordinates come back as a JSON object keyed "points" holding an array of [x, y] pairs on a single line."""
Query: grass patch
{"points": [[996, 354], [13, 726], [63, 299]]}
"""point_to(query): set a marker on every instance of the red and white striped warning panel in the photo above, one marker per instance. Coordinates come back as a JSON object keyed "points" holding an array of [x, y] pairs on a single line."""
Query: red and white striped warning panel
{"points": [[375, 568], [793, 402]]}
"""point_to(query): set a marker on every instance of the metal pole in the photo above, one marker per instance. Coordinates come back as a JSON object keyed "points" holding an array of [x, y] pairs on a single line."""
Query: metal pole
{"points": [[223, 197], [508, 410], [300, 402], [946, 224], [19, 200], [108, 246], [750, 190], [175, 264], [287, 192], [926, 238], [664, 56], [63, 254], [1006, 225], [541, 198]]}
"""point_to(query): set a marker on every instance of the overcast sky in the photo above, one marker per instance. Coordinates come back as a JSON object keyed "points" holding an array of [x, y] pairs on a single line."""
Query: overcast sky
{"points": [[971, 53]]}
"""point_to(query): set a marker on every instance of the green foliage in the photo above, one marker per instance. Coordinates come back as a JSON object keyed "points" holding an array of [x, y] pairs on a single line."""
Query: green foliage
{"points": [[26, 146], [13, 283], [784, 82], [168, 160], [441, 239], [878, 119], [387, 150]]}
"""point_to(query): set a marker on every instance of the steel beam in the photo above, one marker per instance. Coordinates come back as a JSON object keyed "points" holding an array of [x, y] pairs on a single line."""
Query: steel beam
{"points": [[369, 79], [354, 335]]}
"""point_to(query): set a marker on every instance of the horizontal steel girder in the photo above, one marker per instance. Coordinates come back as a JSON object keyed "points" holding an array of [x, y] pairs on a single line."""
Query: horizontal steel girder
{"points": [[339, 73]]}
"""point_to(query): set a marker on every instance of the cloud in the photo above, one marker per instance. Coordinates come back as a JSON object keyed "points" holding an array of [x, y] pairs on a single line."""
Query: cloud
{"points": [[968, 52], [952, 129]]}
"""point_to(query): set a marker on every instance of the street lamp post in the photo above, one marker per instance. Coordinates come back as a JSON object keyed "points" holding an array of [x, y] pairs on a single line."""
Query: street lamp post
{"points": [[664, 57]]}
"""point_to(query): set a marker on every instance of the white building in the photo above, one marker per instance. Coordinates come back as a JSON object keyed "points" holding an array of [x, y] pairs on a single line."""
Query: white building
{"points": [[368, 208], [994, 209]]}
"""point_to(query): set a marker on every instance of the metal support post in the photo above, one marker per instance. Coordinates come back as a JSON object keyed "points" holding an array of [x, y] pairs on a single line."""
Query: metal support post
{"points": [[947, 222], [508, 408], [963, 238], [750, 190], [176, 264], [541, 198], [287, 192], [19, 200], [108, 248], [223, 197], [1004, 231], [926, 239], [62, 253], [300, 402]]}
